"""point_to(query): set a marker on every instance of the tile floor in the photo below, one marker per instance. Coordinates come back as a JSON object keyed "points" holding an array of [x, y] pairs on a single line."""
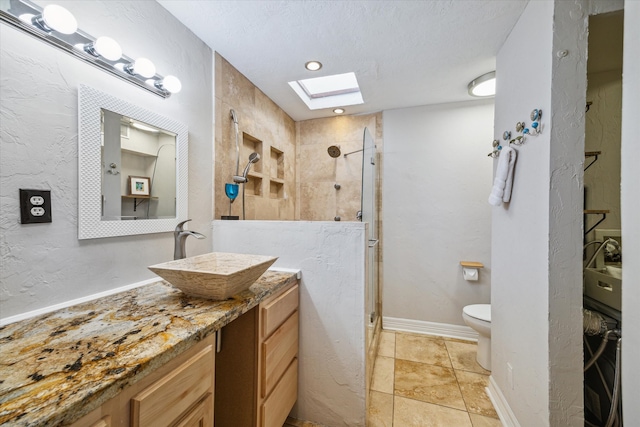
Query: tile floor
{"points": [[426, 381]]}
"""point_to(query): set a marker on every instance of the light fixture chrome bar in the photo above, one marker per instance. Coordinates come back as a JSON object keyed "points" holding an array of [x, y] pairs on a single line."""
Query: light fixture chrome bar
{"points": [[74, 44]]}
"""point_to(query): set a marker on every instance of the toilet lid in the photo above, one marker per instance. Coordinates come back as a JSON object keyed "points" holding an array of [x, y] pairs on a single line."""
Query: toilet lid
{"points": [[479, 311]]}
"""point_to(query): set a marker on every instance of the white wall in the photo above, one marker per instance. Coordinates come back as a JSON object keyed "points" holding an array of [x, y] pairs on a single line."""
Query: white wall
{"points": [[537, 238], [332, 256], [520, 229], [45, 264], [630, 195], [437, 178]]}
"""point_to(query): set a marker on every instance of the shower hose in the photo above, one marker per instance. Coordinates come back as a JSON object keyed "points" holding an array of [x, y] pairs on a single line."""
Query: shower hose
{"points": [[594, 324]]}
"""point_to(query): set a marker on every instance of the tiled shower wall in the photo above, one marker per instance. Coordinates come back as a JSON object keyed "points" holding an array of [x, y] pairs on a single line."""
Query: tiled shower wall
{"points": [[264, 128], [296, 177], [318, 173]]}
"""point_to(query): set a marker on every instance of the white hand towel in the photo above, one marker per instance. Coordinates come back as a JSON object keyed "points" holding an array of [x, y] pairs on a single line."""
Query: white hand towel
{"points": [[503, 182]]}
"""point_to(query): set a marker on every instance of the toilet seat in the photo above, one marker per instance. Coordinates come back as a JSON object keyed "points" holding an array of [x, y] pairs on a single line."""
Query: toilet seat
{"points": [[478, 311]]}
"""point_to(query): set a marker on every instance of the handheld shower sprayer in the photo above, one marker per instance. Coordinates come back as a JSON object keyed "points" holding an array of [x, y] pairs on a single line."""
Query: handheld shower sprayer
{"points": [[242, 179]]}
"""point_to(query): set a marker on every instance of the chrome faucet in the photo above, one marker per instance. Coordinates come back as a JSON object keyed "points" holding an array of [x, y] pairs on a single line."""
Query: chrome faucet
{"points": [[180, 236]]}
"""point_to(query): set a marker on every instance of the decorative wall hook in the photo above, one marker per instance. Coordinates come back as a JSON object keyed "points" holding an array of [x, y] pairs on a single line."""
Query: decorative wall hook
{"points": [[496, 149], [524, 131]]}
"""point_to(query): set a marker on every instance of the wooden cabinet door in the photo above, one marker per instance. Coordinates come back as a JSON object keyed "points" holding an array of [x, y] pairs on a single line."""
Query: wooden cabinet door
{"points": [[163, 402], [200, 416]]}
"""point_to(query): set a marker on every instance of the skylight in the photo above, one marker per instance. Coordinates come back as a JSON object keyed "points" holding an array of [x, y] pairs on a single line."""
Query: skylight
{"points": [[329, 91]]}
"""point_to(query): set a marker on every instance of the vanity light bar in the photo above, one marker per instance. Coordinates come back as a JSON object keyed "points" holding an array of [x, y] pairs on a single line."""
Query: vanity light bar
{"points": [[57, 26]]}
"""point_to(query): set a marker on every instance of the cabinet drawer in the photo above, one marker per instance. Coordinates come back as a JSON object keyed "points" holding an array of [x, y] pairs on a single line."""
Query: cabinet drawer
{"points": [[276, 408], [277, 353], [276, 311], [164, 401]]}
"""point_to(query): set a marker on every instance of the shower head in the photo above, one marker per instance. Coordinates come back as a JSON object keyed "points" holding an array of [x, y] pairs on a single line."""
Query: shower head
{"points": [[253, 158], [234, 117], [334, 151]]}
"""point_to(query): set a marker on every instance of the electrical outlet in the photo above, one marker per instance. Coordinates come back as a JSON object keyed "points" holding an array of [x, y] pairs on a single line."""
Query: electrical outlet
{"points": [[35, 206]]}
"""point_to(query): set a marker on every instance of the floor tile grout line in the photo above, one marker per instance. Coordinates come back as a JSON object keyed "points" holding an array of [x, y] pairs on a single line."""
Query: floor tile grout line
{"points": [[393, 395]]}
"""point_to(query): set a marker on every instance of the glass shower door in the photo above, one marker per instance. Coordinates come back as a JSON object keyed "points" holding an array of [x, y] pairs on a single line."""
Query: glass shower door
{"points": [[369, 215]]}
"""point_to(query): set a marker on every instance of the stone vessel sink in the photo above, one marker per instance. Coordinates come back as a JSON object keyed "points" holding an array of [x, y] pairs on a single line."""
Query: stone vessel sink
{"points": [[216, 275]]}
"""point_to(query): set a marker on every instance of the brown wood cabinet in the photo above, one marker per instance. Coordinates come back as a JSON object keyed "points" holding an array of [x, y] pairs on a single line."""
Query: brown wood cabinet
{"points": [[254, 376], [257, 367], [180, 393]]}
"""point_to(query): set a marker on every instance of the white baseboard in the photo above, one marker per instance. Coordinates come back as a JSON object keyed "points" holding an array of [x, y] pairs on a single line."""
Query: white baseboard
{"points": [[49, 309], [507, 417], [429, 328]]}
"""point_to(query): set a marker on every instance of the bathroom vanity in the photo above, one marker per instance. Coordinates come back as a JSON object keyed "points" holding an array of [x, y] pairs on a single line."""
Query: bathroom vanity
{"points": [[147, 357]]}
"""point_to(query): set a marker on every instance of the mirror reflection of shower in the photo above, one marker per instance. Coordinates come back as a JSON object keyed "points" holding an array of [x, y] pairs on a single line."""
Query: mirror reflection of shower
{"points": [[153, 188]]}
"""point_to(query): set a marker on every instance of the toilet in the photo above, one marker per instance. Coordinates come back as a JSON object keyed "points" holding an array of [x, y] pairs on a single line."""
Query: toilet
{"points": [[478, 317]]}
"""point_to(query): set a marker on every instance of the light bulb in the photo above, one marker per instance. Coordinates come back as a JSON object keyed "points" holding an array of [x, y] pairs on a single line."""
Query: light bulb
{"points": [[313, 65], [106, 47], [485, 85], [56, 18], [143, 67], [170, 83], [487, 88]]}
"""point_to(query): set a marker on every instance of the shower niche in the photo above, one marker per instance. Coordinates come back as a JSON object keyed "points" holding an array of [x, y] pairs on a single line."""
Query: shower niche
{"points": [[250, 145], [276, 176]]}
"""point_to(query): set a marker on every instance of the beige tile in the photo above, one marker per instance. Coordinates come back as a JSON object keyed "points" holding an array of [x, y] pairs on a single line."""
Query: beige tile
{"points": [[383, 373], [475, 397], [424, 349], [387, 346], [380, 411], [409, 413], [463, 356], [480, 421], [428, 383]]}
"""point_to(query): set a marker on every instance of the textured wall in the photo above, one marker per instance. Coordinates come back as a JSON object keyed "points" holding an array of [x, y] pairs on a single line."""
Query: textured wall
{"points": [[520, 229], [602, 133], [437, 178], [45, 264], [317, 198], [267, 195], [331, 255]]}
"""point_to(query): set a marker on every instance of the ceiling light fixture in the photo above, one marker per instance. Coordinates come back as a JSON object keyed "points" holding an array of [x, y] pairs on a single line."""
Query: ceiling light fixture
{"points": [[313, 65], [57, 26], [482, 86], [338, 110], [144, 127]]}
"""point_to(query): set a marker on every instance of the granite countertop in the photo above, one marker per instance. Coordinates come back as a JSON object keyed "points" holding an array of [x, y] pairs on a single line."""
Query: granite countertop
{"points": [[57, 367]]}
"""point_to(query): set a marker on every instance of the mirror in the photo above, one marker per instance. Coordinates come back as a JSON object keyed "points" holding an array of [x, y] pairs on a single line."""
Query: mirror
{"points": [[138, 169], [132, 168]]}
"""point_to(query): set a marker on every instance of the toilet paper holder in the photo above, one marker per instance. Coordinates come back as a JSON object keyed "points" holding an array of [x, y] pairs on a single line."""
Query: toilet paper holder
{"points": [[470, 270]]}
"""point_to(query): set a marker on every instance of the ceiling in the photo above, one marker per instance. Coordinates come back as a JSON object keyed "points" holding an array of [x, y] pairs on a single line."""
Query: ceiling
{"points": [[404, 53]]}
